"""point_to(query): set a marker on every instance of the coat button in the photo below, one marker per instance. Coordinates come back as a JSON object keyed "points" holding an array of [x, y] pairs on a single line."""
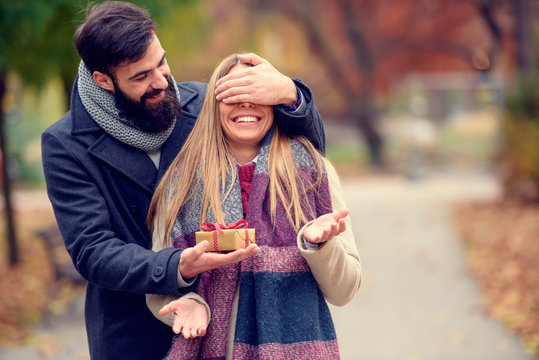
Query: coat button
{"points": [[158, 271], [133, 209]]}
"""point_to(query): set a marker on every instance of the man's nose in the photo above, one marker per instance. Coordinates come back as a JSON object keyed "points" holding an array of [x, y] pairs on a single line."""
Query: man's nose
{"points": [[160, 81]]}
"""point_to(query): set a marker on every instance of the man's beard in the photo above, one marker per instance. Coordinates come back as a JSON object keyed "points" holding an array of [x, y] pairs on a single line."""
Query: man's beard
{"points": [[150, 118]]}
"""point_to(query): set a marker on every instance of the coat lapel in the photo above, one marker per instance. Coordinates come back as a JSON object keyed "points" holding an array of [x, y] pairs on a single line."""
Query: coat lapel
{"points": [[175, 141], [131, 162]]}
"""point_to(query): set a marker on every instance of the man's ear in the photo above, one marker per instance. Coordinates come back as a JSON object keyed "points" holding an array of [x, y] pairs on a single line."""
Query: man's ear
{"points": [[104, 81]]}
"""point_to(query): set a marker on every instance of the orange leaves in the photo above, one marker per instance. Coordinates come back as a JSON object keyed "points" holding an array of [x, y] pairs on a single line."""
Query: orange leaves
{"points": [[24, 289], [503, 244]]}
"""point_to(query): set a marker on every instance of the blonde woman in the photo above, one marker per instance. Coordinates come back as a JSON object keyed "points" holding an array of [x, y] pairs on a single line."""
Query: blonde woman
{"points": [[237, 165]]}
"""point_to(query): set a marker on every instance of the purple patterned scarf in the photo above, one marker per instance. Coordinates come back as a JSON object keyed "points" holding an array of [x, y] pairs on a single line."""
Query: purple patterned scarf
{"points": [[281, 312]]}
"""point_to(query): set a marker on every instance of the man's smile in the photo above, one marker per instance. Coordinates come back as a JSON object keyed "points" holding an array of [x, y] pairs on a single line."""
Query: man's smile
{"points": [[155, 98]]}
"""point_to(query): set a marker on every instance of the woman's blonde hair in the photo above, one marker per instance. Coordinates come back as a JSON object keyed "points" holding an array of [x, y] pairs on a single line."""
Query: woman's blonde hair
{"points": [[205, 155]]}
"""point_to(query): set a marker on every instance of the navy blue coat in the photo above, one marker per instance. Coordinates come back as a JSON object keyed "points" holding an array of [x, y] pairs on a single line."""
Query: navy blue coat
{"points": [[100, 190]]}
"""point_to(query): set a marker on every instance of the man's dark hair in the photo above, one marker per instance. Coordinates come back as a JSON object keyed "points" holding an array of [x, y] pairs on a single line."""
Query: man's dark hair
{"points": [[114, 32]]}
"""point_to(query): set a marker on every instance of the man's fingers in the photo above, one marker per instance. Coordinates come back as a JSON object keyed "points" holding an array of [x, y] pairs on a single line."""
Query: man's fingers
{"points": [[191, 256], [239, 255], [201, 247], [193, 261], [236, 99], [251, 58], [240, 74], [236, 79], [234, 94], [241, 77], [196, 251], [251, 250]]}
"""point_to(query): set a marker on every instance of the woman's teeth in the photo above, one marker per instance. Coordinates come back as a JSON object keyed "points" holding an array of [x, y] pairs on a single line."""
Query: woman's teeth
{"points": [[244, 119]]}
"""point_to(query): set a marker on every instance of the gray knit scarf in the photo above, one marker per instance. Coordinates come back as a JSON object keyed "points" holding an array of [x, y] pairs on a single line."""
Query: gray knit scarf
{"points": [[101, 106]]}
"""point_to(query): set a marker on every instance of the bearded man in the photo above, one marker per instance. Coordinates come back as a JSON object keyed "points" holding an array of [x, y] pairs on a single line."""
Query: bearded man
{"points": [[128, 119]]}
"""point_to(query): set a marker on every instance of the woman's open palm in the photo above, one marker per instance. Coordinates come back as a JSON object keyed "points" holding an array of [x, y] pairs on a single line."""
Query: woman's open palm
{"points": [[190, 317], [325, 227]]}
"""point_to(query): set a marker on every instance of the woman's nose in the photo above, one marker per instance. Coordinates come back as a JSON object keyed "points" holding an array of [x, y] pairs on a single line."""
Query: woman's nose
{"points": [[246, 105]]}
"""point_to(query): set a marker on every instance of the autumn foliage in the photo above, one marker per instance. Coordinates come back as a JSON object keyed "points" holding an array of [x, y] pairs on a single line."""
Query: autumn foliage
{"points": [[503, 247], [519, 158], [29, 291]]}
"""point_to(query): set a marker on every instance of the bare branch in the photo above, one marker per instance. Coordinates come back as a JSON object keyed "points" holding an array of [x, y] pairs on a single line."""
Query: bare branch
{"points": [[486, 8], [426, 44]]}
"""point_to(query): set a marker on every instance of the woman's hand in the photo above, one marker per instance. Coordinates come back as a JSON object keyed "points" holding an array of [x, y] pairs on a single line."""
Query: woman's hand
{"points": [[326, 227], [190, 317]]}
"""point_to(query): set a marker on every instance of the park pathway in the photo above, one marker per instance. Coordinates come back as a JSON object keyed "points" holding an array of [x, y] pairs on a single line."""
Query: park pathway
{"points": [[417, 300]]}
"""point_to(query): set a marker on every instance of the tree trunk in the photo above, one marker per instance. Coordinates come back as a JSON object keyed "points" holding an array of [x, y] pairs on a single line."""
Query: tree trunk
{"points": [[67, 85], [366, 117], [524, 38], [13, 251]]}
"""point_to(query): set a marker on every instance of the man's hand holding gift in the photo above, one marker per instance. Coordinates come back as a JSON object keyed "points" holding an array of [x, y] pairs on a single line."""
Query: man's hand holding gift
{"points": [[197, 259]]}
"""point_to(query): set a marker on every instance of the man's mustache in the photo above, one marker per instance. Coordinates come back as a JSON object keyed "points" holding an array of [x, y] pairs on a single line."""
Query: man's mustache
{"points": [[151, 94]]}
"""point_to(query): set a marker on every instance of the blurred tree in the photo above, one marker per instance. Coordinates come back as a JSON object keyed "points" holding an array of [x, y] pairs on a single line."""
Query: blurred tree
{"points": [[511, 24], [36, 44], [20, 24], [519, 157], [365, 44]]}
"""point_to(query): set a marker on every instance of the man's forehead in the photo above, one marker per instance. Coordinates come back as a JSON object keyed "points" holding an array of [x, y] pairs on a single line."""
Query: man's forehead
{"points": [[150, 59]]}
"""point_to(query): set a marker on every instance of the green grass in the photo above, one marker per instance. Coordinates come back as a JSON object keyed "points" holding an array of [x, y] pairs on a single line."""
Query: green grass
{"points": [[347, 155]]}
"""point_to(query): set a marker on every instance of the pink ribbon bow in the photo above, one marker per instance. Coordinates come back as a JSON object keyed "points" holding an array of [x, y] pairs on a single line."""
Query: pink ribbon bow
{"points": [[216, 227]]}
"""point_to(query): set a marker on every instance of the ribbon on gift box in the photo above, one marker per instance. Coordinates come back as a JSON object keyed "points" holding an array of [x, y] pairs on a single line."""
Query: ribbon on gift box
{"points": [[216, 227]]}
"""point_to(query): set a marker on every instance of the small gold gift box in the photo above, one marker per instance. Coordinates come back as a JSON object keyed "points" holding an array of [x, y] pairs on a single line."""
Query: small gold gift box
{"points": [[229, 237]]}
